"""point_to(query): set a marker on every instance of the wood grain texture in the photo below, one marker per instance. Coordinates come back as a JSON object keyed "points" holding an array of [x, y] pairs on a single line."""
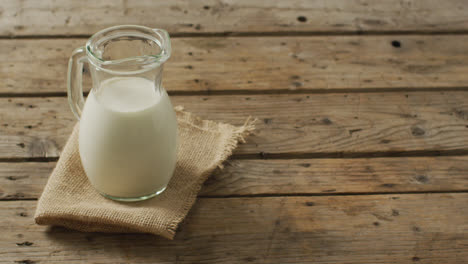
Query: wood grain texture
{"points": [[24, 180], [29, 17], [305, 123], [322, 176], [286, 177], [262, 64], [423, 228]]}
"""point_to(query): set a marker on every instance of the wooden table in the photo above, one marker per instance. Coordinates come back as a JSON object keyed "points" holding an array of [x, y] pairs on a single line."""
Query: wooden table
{"points": [[360, 153]]}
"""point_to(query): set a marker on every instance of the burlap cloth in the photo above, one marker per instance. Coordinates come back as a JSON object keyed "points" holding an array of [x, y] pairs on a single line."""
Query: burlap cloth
{"points": [[69, 200]]}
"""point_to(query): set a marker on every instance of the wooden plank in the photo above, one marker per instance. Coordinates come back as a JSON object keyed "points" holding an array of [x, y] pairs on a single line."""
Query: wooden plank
{"points": [[318, 124], [24, 180], [315, 176], [269, 63], [423, 228], [296, 176], [29, 17]]}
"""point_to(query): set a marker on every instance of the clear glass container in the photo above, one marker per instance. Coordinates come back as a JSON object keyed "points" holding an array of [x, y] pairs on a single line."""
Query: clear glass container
{"points": [[128, 128]]}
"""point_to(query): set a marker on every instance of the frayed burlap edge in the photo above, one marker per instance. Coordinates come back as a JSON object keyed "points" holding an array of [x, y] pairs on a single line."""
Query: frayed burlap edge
{"points": [[236, 135]]}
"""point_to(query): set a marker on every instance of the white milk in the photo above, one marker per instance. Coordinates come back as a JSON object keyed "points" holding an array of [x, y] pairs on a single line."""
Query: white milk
{"points": [[128, 137]]}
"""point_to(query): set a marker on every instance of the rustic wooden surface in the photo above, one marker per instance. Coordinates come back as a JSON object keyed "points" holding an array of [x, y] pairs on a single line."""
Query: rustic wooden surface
{"points": [[334, 229], [330, 124], [257, 177], [49, 17], [253, 64], [360, 153]]}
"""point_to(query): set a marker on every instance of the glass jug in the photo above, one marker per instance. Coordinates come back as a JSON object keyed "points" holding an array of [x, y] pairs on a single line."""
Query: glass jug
{"points": [[128, 127]]}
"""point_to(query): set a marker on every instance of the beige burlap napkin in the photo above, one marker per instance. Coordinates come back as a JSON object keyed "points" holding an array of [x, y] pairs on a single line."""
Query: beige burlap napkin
{"points": [[69, 200]]}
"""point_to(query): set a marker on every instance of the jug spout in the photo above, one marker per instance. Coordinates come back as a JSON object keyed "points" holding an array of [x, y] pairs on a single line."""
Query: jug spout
{"points": [[164, 40]]}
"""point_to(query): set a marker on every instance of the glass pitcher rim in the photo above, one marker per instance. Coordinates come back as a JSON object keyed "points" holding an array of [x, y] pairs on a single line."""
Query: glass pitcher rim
{"points": [[150, 61]]}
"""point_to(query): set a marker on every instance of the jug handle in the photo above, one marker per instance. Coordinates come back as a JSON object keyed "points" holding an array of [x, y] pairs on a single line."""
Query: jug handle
{"points": [[74, 81]]}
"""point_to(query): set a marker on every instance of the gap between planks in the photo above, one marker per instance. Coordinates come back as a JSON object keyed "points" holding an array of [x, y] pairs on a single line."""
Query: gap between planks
{"points": [[267, 195], [262, 92], [263, 34], [287, 156]]}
